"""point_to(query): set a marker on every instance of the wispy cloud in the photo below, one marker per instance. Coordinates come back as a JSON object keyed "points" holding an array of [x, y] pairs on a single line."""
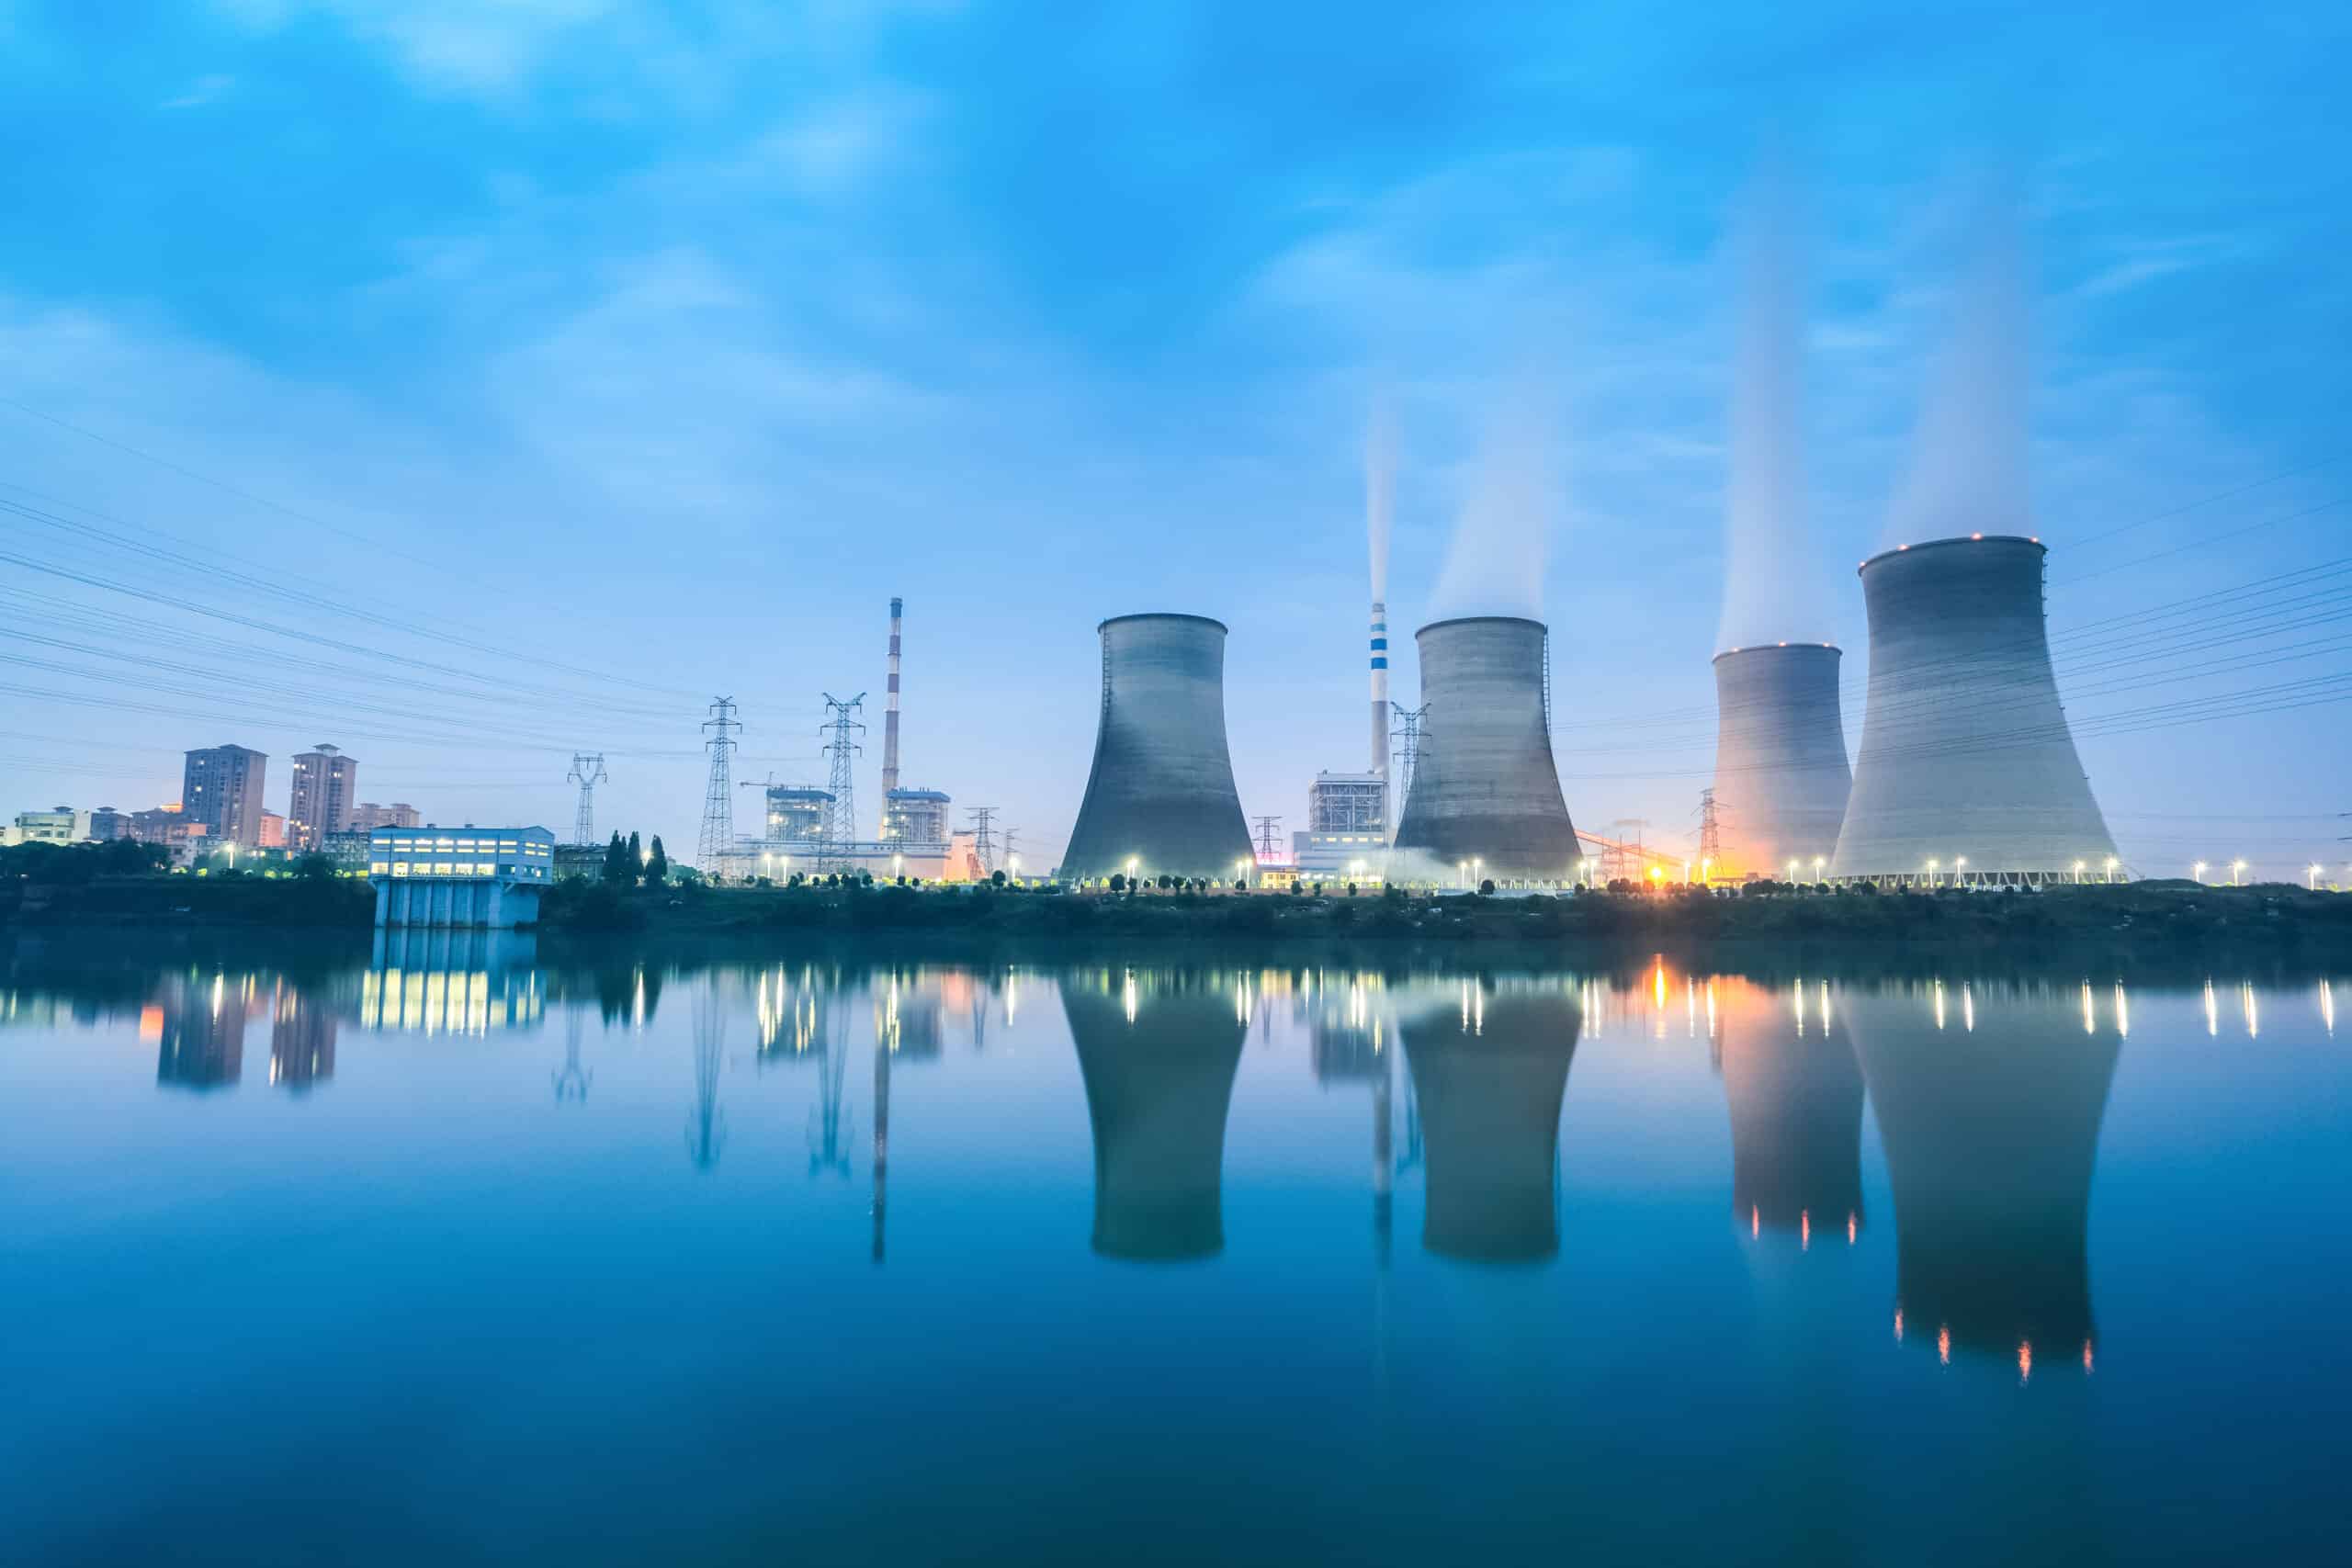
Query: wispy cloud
{"points": [[204, 90]]}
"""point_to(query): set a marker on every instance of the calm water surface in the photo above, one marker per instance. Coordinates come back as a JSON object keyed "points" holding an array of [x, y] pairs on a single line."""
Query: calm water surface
{"points": [[458, 1256]]}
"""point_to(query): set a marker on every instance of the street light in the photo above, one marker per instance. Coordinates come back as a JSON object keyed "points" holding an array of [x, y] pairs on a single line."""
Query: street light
{"points": [[2110, 868], [1958, 868], [2079, 873], [1819, 864], [2198, 871], [1932, 871], [2235, 866], [2311, 876]]}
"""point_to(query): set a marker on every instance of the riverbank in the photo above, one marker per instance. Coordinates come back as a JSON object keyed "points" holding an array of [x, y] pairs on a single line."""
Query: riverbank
{"points": [[2119, 925]]}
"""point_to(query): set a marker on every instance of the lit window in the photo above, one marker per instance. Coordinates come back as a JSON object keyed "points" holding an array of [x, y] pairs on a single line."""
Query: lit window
{"points": [[441, 868], [379, 868], [400, 868]]}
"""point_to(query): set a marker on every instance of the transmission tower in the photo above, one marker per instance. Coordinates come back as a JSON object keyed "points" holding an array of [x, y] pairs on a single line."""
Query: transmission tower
{"points": [[1012, 837], [1710, 835], [571, 1079], [841, 812], [706, 1126], [718, 801], [1266, 854], [1408, 754], [983, 834], [587, 772]]}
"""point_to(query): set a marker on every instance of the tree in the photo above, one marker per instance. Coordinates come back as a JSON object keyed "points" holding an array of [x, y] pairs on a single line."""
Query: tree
{"points": [[1487, 888], [657, 869], [996, 878], [617, 862], [314, 868], [1118, 881], [635, 868]]}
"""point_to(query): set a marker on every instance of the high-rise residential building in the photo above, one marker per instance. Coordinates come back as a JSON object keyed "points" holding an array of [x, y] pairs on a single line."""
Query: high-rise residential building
{"points": [[221, 789], [367, 816], [325, 782]]}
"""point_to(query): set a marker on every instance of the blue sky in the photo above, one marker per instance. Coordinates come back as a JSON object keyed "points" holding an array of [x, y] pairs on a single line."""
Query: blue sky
{"points": [[666, 343]]}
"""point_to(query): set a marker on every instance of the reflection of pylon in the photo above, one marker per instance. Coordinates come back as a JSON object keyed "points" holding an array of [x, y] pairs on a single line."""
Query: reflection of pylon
{"points": [[706, 1128], [571, 1079]]}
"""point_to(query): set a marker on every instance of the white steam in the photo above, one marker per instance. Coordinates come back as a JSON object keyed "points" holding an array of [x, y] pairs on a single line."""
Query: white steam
{"points": [[1503, 535], [1773, 587], [1968, 460], [1380, 489]]}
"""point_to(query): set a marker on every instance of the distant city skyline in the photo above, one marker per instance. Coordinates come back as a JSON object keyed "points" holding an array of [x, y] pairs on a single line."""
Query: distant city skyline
{"points": [[574, 366]]}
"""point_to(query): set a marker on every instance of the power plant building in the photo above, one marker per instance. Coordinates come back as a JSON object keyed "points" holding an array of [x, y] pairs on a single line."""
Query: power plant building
{"points": [[1486, 800], [1781, 777], [1967, 772], [1161, 798], [459, 878]]}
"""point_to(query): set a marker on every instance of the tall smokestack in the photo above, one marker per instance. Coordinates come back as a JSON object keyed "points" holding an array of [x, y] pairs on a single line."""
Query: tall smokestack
{"points": [[1380, 691], [1379, 508], [890, 723]]}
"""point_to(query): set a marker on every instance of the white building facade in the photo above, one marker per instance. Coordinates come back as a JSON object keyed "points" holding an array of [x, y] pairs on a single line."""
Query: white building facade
{"points": [[459, 878]]}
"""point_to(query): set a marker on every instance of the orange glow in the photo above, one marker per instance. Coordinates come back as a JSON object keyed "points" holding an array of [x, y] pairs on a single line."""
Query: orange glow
{"points": [[1804, 1230], [1657, 987], [2086, 1358], [1755, 1221], [1943, 1344], [1851, 1227], [1898, 1326], [2025, 1361]]}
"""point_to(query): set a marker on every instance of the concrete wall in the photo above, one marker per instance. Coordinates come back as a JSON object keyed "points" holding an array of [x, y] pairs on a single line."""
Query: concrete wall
{"points": [[1162, 790], [1781, 777], [1486, 786], [1965, 751]]}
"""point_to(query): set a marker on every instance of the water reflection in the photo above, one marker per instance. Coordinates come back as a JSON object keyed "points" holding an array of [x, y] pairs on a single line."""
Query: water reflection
{"points": [[1989, 1150], [1489, 1067], [1795, 1096], [1158, 1052], [200, 1030]]}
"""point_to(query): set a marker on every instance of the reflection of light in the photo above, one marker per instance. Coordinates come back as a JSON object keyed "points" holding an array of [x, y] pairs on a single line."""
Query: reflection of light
{"points": [[1755, 1221], [1796, 1004], [1939, 1004], [1852, 1225], [2025, 1361], [1657, 988], [2122, 1014], [1804, 1230], [1825, 1006], [2327, 1008], [1967, 1008], [1943, 1343], [2086, 1356], [1898, 1326], [1128, 995], [2090, 1017], [1691, 1006], [1710, 1009], [2212, 1015], [2253, 1013]]}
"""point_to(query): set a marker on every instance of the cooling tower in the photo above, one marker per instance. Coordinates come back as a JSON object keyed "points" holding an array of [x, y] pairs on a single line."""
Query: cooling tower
{"points": [[1158, 1053], [1489, 1070], [1989, 1105], [1161, 793], [1781, 777], [1485, 787], [1795, 1096], [1965, 751]]}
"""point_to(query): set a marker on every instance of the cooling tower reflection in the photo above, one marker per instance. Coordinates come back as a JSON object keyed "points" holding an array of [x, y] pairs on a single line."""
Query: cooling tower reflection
{"points": [[1990, 1141], [1489, 1068], [1796, 1113], [1158, 1051]]}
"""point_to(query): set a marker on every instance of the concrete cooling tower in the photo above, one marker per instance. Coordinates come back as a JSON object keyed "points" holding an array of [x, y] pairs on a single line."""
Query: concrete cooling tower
{"points": [[1158, 1053], [1162, 794], [1988, 1104], [1795, 1096], [1486, 789], [1489, 1070], [1781, 777], [1965, 751]]}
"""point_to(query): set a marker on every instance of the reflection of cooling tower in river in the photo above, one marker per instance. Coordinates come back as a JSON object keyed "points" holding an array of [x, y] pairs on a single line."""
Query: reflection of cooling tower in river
{"points": [[1965, 751], [1484, 786], [1781, 777], [1991, 1132], [1796, 1112], [1161, 792], [1489, 1070], [1158, 1053]]}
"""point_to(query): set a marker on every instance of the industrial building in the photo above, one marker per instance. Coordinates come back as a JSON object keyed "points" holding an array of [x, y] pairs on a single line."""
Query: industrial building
{"points": [[221, 789], [325, 789], [1967, 773], [1346, 837], [1485, 801], [1158, 1053], [1161, 798], [1781, 777], [462, 878]]}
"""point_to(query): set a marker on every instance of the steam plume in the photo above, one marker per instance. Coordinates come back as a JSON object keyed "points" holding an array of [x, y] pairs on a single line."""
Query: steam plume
{"points": [[1380, 488], [1772, 580], [1968, 462], [1494, 564]]}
